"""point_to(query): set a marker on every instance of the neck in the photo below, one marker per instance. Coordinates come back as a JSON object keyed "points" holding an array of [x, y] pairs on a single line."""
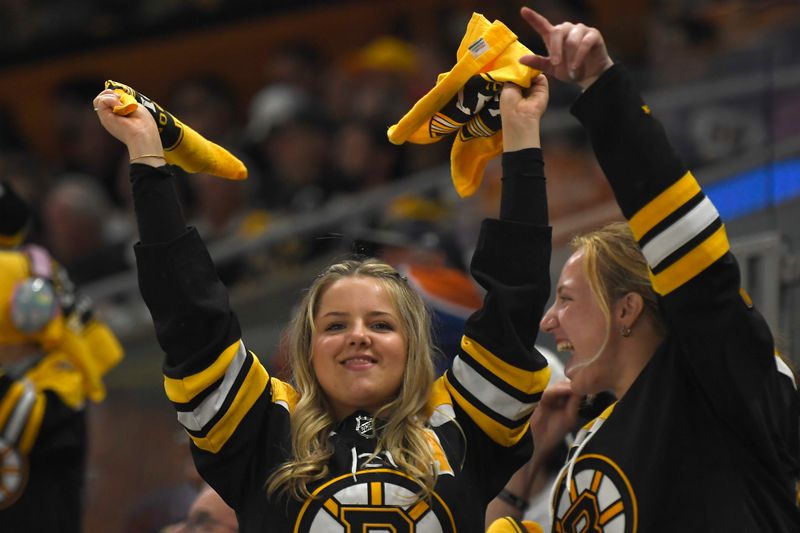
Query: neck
{"points": [[637, 350]]}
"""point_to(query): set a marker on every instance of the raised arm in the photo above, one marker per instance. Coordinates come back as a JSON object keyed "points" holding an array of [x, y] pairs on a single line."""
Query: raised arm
{"points": [[726, 343], [207, 365], [498, 376]]}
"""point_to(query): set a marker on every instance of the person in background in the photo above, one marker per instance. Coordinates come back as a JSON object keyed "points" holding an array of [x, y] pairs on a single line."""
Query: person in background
{"points": [[704, 435], [209, 514], [53, 356], [364, 434]]}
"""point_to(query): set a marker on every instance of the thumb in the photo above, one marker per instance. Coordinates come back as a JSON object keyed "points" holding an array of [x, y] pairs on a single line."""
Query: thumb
{"points": [[536, 62]]}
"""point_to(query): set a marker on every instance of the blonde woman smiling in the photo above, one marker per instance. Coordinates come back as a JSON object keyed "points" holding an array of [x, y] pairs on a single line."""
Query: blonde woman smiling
{"points": [[363, 437]]}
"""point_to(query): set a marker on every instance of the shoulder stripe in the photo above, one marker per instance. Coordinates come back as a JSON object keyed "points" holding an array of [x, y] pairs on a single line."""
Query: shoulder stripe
{"points": [[201, 415], [252, 387], [283, 394], [691, 264], [676, 235], [440, 404], [31, 431], [671, 218], [499, 433], [662, 205], [527, 381], [185, 389], [490, 396], [18, 418], [690, 245]]}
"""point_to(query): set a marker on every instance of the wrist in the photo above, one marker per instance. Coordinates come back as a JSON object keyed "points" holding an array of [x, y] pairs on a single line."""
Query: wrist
{"points": [[588, 81], [154, 159], [514, 140], [513, 500]]}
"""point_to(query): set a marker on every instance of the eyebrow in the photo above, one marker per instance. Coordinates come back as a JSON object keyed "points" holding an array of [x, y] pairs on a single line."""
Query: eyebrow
{"points": [[370, 313], [563, 287]]}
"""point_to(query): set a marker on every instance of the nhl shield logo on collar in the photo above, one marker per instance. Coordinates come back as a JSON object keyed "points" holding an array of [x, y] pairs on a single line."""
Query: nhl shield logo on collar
{"points": [[364, 426]]}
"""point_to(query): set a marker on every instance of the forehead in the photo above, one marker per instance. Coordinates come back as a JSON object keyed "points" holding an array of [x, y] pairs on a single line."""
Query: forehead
{"points": [[356, 292], [572, 274]]}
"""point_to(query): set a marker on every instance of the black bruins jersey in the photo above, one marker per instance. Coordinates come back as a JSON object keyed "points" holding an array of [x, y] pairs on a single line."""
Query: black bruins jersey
{"points": [[706, 437], [238, 416]]}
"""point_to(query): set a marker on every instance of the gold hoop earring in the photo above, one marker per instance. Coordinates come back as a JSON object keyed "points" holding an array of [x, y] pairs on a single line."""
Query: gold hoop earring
{"points": [[625, 331]]}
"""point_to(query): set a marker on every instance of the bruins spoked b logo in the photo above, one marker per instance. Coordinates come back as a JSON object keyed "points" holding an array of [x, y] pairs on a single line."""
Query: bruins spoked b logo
{"points": [[599, 499], [379, 500]]}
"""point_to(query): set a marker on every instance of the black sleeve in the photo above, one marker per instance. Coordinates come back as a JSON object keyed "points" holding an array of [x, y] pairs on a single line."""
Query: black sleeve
{"points": [[524, 197], [155, 200], [177, 278]]}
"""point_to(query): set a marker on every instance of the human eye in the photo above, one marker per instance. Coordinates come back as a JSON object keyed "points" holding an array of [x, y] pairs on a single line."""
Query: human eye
{"points": [[382, 326], [334, 326]]}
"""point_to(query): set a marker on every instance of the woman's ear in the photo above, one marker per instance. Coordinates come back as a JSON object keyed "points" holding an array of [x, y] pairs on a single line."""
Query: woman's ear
{"points": [[629, 308]]}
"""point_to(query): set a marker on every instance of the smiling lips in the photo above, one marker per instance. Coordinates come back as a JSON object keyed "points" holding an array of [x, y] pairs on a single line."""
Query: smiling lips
{"points": [[359, 361]]}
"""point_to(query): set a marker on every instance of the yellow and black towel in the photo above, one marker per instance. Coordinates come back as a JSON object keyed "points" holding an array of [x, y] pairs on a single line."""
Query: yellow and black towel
{"points": [[465, 101], [183, 146]]}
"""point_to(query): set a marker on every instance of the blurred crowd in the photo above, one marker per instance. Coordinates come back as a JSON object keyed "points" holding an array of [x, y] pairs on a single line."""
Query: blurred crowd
{"points": [[316, 130]]}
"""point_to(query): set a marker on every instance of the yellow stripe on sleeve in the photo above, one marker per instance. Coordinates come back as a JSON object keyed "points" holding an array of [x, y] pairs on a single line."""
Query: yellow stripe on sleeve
{"points": [[33, 424], [252, 387], [691, 264], [499, 433], [439, 395], [185, 389], [662, 205], [527, 381]]}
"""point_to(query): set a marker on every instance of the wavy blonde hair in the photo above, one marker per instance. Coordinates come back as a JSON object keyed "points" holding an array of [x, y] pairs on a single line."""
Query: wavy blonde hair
{"points": [[615, 266], [403, 432]]}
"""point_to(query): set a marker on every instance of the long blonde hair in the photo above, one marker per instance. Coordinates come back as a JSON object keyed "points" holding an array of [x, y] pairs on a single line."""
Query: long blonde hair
{"points": [[402, 432], [615, 266]]}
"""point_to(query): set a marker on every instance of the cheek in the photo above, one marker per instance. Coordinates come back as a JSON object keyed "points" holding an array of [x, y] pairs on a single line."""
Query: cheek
{"points": [[323, 349]]}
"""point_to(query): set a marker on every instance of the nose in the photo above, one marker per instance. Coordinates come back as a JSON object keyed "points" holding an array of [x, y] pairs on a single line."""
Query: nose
{"points": [[359, 336], [549, 322]]}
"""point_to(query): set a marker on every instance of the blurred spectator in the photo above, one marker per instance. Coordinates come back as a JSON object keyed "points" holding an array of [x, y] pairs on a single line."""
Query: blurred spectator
{"points": [[362, 158], [54, 354], [83, 230], [223, 211], [208, 513], [208, 104], [291, 81], [383, 73], [84, 148], [294, 161]]}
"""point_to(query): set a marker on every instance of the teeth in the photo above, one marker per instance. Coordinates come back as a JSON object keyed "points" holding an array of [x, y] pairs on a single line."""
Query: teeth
{"points": [[564, 346]]}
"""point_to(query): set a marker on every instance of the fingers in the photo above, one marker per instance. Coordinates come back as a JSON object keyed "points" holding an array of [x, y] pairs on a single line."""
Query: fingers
{"points": [[551, 35], [591, 39], [537, 62], [540, 24], [106, 100], [573, 38]]}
